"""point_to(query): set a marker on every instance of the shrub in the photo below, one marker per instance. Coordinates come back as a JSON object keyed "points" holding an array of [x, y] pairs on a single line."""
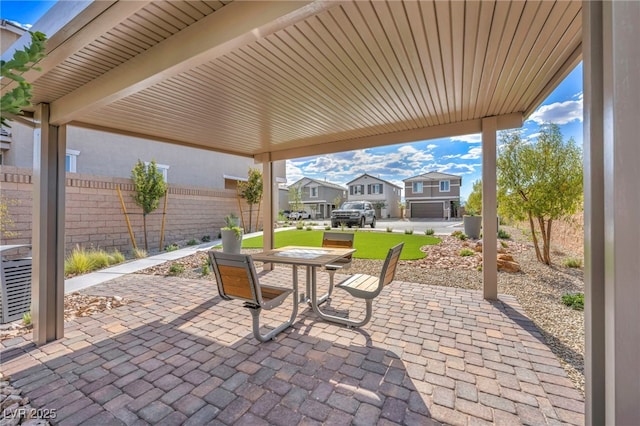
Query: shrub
{"points": [[139, 253], [26, 318], [176, 268], [503, 234], [327, 228], [299, 225], [573, 263], [205, 238], [192, 242], [456, 233], [408, 231], [206, 270], [389, 229], [466, 252], [429, 231], [504, 244], [461, 236], [171, 247], [116, 257], [78, 262], [575, 301], [100, 258], [309, 228]]}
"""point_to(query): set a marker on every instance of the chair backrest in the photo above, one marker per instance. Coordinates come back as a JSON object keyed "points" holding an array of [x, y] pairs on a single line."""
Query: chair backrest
{"points": [[390, 264], [338, 240], [236, 277]]}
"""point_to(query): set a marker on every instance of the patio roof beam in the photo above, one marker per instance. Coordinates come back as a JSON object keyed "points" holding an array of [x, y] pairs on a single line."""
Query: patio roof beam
{"points": [[294, 150], [229, 28]]}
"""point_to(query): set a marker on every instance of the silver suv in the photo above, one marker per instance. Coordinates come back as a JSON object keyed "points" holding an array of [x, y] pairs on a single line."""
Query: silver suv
{"points": [[351, 213]]}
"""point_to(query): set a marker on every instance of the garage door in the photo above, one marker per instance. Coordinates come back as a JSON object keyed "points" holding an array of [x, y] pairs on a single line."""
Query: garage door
{"points": [[430, 210]]}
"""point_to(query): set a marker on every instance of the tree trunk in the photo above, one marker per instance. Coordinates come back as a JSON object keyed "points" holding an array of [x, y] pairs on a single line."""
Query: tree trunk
{"points": [[545, 247], [250, 216], [548, 243], [144, 226], [535, 238]]}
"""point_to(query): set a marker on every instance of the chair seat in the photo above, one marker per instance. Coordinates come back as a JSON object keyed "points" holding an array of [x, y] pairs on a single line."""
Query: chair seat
{"points": [[273, 296], [361, 286]]}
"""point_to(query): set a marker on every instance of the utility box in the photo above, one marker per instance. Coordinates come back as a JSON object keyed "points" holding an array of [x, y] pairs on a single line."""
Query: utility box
{"points": [[15, 275]]}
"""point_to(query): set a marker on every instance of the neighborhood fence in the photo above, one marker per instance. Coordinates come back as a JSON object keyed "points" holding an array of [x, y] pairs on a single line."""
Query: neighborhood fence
{"points": [[94, 217]]}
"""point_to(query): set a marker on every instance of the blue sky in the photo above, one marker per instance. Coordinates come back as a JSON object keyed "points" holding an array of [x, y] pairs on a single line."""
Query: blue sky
{"points": [[461, 155]]}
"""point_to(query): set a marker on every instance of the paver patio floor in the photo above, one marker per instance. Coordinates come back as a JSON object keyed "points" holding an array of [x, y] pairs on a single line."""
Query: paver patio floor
{"points": [[178, 354]]}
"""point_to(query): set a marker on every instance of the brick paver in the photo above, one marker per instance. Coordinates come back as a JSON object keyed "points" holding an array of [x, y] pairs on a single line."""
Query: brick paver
{"points": [[178, 354]]}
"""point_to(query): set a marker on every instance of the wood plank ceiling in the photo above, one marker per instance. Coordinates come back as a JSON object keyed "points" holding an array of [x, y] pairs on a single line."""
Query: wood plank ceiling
{"points": [[355, 69]]}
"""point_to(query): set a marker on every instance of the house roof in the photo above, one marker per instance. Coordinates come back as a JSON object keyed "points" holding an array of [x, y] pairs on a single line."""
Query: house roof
{"points": [[278, 80], [306, 181], [432, 175], [376, 178]]}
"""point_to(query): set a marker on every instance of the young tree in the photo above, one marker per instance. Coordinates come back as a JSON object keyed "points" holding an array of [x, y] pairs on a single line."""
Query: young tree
{"points": [[474, 202], [6, 221], [539, 181], [295, 197], [150, 186], [22, 61], [251, 190]]}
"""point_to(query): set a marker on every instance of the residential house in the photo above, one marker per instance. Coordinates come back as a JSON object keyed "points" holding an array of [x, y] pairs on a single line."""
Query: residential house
{"points": [[384, 195], [432, 195], [320, 197]]}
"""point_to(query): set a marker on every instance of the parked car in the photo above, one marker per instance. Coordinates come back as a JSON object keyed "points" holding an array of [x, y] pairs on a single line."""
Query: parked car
{"points": [[301, 214], [351, 213], [286, 213]]}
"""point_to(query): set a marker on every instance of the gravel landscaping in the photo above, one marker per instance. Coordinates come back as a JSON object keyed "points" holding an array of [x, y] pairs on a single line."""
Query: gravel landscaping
{"points": [[538, 287]]}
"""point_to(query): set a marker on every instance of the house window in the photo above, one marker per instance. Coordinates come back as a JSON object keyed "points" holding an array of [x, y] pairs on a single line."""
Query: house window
{"points": [[376, 188], [314, 191], [71, 161], [417, 187], [162, 168], [357, 189], [444, 186]]}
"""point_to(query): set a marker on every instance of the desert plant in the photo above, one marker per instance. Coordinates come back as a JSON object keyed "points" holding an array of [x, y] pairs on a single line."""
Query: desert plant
{"points": [[78, 262], [574, 300], [466, 252], [205, 238], [408, 231], [149, 186], [540, 181], [6, 221], [429, 231], [573, 263], [116, 257], [171, 247], [100, 258], [299, 225], [139, 253], [459, 235], [206, 269], [176, 268], [503, 234], [504, 244], [389, 229], [192, 242], [231, 224], [26, 318], [251, 190]]}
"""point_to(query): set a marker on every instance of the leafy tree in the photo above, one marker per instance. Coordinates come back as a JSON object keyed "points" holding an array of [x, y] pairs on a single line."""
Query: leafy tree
{"points": [[474, 202], [539, 181], [13, 101], [251, 190], [6, 221], [295, 197], [150, 186]]}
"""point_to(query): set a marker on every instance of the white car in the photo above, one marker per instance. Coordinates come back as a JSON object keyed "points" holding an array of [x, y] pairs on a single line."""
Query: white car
{"points": [[299, 215]]}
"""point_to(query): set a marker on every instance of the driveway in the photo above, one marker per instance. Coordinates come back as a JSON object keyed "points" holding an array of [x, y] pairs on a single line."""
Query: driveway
{"points": [[420, 225]]}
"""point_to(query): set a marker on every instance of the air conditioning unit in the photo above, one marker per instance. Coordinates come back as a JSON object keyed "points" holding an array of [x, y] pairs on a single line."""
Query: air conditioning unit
{"points": [[15, 277]]}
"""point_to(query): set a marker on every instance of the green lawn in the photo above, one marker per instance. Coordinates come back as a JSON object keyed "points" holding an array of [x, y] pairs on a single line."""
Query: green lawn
{"points": [[369, 245]]}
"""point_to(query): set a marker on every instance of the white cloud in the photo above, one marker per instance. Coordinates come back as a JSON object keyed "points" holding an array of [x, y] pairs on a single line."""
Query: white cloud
{"points": [[475, 138], [559, 112], [431, 146], [473, 154], [25, 26]]}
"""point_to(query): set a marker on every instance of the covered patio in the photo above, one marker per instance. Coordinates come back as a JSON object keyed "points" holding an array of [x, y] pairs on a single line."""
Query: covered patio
{"points": [[280, 80], [430, 355]]}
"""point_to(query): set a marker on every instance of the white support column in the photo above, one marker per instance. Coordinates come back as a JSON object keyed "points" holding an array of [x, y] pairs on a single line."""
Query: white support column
{"points": [[489, 209], [269, 188], [619, 88], [594, 219], [48, 228]]}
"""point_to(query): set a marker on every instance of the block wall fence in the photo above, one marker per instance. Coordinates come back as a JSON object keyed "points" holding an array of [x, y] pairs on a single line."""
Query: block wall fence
{"points": [[94, 217]]}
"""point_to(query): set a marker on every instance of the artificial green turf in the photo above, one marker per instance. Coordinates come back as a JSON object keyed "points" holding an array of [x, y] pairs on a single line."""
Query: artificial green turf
{"points": [[368, 244]]}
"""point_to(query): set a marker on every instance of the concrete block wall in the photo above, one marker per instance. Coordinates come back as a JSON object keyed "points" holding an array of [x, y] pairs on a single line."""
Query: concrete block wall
{"points": [[94, 216]]}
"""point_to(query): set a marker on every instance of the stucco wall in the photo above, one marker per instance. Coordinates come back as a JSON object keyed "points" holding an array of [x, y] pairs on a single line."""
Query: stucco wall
{"points": [[94, 216]]}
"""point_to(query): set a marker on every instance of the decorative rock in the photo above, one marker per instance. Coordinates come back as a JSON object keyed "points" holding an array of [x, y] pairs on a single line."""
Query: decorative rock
{"points": [[507, 266], [506, 257]]}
